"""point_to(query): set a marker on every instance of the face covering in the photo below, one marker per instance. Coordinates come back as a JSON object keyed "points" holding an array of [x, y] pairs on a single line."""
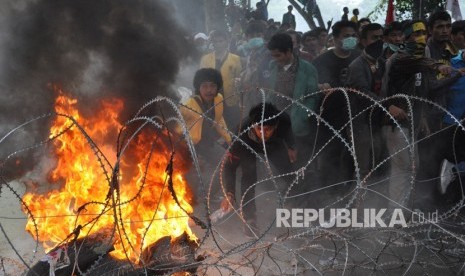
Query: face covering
{"points": [[375, 49], [202, 48], [255, 42], [393, 47], [416, 49], [349, 43], [421, 39]]}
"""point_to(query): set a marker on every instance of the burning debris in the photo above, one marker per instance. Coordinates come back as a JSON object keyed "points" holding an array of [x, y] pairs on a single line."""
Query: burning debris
{"points": [[90, 256], [131, 212]]}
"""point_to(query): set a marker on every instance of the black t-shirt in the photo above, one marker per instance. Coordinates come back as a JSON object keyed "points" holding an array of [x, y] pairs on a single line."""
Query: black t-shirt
{"points": [[333, 69]]}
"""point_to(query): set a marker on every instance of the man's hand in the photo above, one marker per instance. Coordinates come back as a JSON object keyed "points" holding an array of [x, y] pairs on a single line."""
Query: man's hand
{"points": [[292, 153], [397, 113], [325, 86], [445, 70]]}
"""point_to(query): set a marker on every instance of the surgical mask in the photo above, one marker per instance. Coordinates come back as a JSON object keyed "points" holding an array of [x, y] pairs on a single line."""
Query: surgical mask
{"points": [[349, 43], [202, 48], [393, 47], [255, 42]]}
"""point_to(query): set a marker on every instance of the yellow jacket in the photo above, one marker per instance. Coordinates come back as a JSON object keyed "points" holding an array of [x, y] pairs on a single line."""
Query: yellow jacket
{"points": [[230, 70], [191, 112]]}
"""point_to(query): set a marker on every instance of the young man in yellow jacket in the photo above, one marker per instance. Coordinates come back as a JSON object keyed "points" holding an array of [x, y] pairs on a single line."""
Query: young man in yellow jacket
{"points": [[230, 68], [203, 112], [203, 116]]}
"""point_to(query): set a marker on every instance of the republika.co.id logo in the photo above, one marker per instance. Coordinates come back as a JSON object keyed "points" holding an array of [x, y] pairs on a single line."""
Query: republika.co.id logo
{"points": [[342, 217]]}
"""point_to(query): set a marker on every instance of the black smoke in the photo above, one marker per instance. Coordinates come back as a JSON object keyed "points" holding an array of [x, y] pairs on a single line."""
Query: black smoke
{"points": [[91, 48]]}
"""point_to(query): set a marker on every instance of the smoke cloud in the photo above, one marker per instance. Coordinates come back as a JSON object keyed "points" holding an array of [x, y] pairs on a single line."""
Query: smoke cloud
{"points": [[92, 49]]}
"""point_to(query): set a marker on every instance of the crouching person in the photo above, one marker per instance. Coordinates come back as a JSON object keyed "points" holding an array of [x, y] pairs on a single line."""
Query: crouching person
{"points": [[203, 115], [272, 133]]}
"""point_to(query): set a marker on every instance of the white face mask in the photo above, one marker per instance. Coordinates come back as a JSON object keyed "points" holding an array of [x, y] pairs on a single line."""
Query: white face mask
{"points": [[349, 43]]}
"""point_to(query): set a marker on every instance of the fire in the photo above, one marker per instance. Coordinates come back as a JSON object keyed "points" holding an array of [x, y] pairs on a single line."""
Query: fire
{"points": [[145, 208]]}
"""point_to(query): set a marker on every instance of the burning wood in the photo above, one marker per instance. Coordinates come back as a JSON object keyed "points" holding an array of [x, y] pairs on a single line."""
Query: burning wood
{"points": [[90, 256], [146, 206]]}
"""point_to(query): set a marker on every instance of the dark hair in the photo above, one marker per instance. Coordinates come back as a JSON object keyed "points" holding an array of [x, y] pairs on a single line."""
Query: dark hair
{"points": [[207, 75], [364, 19], [345, 9], [338, 26], [290, 7], [217, 33], [355, 10], [297, 35], [281, 42], [268, 109], [438, 15], [255, 27], [270, 31], [319, 30], [369, 28], [458, 26], [393, 26], [311, 33]]}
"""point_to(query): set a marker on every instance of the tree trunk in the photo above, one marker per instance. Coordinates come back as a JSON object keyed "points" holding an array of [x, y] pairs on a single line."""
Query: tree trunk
{"points": [[307, 16], [214, 15], [318, 16], [416, 9]]}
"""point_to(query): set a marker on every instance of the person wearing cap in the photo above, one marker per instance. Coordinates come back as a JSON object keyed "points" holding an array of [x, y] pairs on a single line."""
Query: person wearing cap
{"points": [[201, 44], [266, 131], [409, 72], [230, 67]]}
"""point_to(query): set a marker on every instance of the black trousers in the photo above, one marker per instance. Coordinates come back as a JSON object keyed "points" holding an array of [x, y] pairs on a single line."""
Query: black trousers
{"points": [[247, 161]]}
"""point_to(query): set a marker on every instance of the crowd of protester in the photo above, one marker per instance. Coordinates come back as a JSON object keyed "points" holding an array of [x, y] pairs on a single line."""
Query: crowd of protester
{"points": [[261, 60]]}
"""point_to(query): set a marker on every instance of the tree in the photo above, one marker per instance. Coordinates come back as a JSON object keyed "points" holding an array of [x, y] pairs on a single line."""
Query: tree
{"points": [[214, 15], [408, 9], [310, 11]]}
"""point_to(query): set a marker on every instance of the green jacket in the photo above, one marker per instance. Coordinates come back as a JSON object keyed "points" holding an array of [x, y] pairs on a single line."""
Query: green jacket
{"points": [[306, 83]]}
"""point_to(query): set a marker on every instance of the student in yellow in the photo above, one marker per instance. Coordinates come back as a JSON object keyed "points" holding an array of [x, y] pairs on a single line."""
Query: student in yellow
{"points": [[203, 112], [203, 115], [230, 67]]}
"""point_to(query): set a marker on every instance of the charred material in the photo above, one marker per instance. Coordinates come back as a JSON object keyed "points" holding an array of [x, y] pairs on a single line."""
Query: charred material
{"points": [[90, 256]]}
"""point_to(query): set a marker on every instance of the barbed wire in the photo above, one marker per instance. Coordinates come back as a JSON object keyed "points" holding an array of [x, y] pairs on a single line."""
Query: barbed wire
{"points": [[432, 246]]}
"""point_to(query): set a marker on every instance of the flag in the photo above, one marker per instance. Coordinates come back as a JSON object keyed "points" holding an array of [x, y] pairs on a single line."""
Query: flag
{"points": [[454, 7], [390, 16]]}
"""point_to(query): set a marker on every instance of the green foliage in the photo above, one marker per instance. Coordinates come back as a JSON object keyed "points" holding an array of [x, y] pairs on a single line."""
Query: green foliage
{"points": [[407, 9]]}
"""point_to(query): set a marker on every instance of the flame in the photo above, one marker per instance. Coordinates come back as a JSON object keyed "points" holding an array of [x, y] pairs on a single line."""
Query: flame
{"points": [[146, 213]]}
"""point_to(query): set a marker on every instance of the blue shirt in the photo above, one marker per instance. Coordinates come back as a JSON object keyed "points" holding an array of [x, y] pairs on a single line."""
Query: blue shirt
{"points": [[456, 102]]}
